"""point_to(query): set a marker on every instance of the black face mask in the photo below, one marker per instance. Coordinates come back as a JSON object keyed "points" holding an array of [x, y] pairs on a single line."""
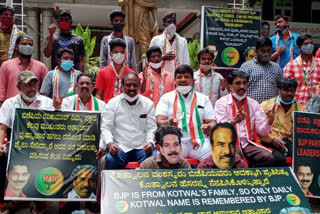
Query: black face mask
{"points": [[118, 27], [280, 30]]}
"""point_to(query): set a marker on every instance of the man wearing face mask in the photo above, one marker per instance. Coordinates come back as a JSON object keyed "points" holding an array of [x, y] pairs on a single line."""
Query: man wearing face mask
{"points": [[174, 47], [128, 126], [64, 39], [264, 74], [281, 137], [155, 81], [61, 82], [189, 110], [8, 33], [117, 18], [206, 80], [10, 69], [27, 84], [108, 83], [305, 69], [246, 116], [284, 47]]}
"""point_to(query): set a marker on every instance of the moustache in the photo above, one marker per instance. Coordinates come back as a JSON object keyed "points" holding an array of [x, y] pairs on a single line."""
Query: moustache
{"points": [[305, 180], [19, 182], [231, 156], [173, 153], [84, 89], [241, 89], [84, 188]]}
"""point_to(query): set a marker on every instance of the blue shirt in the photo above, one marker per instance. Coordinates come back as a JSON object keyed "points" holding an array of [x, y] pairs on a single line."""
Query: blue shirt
{"points": [[285, 56]]}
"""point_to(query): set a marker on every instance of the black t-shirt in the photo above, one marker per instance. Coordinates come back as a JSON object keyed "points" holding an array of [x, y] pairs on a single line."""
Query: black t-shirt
{"points": [[71, 41]]}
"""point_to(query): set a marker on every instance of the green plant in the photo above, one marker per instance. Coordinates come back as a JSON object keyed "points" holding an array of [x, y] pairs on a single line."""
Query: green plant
{"points": [[91, 64], [194, 48], [253, 3]]}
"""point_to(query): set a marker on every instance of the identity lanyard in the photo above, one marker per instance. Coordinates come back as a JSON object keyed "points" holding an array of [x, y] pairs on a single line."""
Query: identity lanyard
{"points": [[291, 47], [152, 82], [22, 104], [175, 50], [307, 70], [117, 82], [248, 123], [277, 108], [56, 82], [91, 105], [211, 81], [192, 123]]}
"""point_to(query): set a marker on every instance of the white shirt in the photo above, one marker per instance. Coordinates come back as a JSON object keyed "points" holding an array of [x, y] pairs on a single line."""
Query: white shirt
{"points": [[206, 111], [130, 127], [73, 195], [181, 50], [8, 108], [211, 80], [68, 104]]}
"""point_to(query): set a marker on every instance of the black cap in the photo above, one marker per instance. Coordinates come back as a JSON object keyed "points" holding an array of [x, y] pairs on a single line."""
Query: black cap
{"points": [[64, 12], [115, 13]]}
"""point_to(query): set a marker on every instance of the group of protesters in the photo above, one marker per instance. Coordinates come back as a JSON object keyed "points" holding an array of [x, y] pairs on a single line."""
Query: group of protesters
{"points": [[168, 113]]}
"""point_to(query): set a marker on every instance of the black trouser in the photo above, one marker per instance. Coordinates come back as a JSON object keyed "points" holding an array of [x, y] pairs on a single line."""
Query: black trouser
{"points": [[280, 156]]}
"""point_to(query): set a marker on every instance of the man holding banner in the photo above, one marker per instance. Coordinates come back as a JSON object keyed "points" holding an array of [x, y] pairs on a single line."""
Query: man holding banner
{"points": [[8, 33], [189, 110], [28, 97], [248, 118]]}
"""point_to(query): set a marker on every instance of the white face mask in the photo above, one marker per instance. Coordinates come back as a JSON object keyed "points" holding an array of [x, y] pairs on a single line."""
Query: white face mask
{"points": [[240, 98], [184, 89], [130, 99], [118, 58], [26, 50], [155, 65], [171, 30], [26, 98]]}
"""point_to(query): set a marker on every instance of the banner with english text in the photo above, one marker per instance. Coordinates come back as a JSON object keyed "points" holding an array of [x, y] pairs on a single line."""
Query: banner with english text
{"points": [[53, 156], [257, 190], [306, 152], [230, 33]]}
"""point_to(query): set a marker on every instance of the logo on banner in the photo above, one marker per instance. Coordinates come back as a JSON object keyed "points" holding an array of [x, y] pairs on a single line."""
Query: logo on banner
{"points": [[49, 181], [230, 56], [293, 199], [122, 206]]}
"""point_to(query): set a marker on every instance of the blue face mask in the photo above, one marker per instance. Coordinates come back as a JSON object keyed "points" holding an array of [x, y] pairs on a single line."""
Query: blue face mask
{"points": [[66, 65], [286, 103]]}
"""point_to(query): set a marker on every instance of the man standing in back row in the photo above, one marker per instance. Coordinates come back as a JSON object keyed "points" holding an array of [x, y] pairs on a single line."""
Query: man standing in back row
{"points": [[174, 47], [64, 39]]}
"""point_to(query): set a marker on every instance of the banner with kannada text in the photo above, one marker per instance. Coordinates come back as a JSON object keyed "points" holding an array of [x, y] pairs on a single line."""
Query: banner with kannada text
{"points": [[259, 190], [230, 33], [53, 156], [306, 152]]}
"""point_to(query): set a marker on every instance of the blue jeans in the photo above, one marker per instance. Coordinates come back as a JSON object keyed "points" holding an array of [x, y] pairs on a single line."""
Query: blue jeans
{"points": [[119, 160]]}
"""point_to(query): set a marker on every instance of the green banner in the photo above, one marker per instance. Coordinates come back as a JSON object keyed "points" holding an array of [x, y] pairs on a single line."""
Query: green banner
{"points": [[234, 191], [53, 156], [230, 33], [306, 152]]}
